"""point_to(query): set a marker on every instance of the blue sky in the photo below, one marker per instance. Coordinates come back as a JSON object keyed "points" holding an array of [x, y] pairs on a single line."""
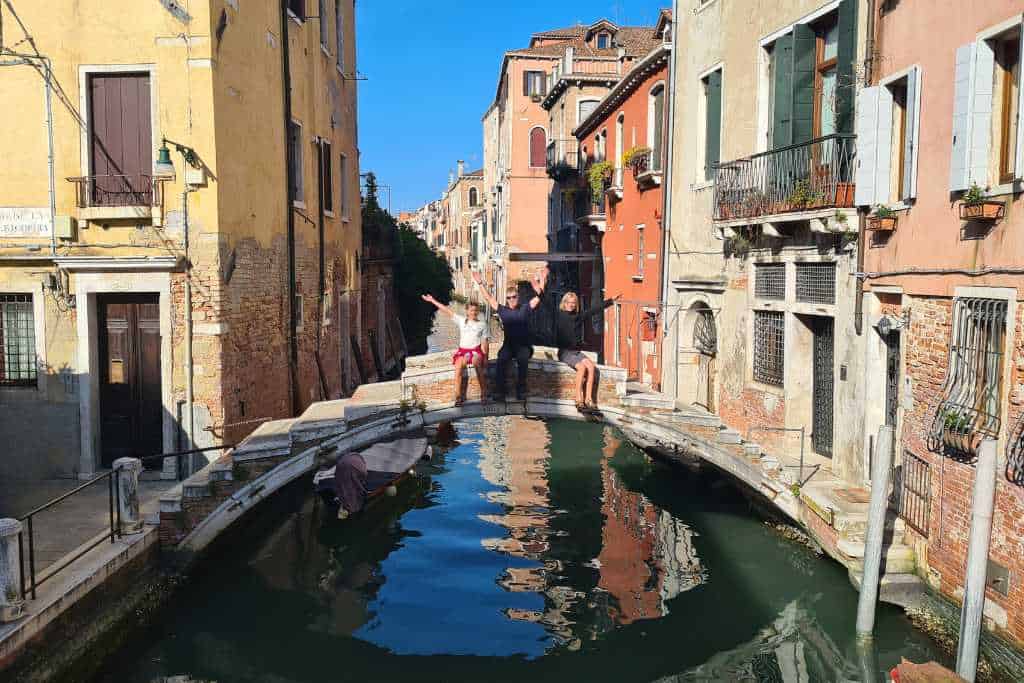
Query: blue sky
{"points": [[431, 70]]}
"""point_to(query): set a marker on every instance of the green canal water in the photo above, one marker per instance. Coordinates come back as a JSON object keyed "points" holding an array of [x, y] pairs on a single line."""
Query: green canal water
{"points": [[529, 551]]}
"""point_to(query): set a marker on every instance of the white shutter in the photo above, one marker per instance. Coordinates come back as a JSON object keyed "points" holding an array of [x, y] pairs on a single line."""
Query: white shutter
{"points": [[883, 154], [867, 145], [962, 99], [913, 132], [981, 113], [1019, 164]]}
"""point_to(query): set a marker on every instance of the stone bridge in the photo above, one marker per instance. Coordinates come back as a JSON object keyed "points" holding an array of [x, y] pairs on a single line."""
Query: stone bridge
{"points": [[829, 511]]}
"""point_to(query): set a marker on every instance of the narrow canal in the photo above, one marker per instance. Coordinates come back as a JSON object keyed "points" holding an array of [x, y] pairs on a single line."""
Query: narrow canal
{"points": [[529, 551]]}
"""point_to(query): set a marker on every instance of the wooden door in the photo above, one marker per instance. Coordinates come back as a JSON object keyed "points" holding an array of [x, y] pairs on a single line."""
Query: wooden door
{"points": [[131, 409]]}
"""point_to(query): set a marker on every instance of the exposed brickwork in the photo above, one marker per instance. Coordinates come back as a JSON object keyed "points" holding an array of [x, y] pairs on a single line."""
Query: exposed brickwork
{"points": [[754, 408], [952, 482]]}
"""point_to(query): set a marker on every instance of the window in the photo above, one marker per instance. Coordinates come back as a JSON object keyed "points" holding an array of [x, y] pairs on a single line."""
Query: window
{"points": [[1007, 88], [888, 129], [120, 140], [17, 341], [769, 347], [474, 196], [816, 283], [970, 402], [712, 87], [538, 148], [534, 84], [339, 28], [586, 108], [656, 126], [988, 142], [297, 8], [641, 254], [325, 34], [295, 161], [603, 41], [343, 177], [825, 75], [770, 281], [326, 178]]}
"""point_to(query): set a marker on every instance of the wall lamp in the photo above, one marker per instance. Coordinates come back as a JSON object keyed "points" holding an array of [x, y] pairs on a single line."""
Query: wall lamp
{"points": [[165, 167]]}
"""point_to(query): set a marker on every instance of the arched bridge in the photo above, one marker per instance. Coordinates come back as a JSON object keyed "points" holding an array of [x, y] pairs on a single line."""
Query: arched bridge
{"points": [[279, 452]]}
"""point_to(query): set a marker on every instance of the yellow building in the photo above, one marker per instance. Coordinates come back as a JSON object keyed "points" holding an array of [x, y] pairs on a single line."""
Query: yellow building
{"points": [[179, 229]]}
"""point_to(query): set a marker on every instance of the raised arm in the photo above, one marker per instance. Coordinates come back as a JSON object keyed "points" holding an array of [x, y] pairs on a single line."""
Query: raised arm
{"points": [[594, 310], [488, 297], [437, 304]]}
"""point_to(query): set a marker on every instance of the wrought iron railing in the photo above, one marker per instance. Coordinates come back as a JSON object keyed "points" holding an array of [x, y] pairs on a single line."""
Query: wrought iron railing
{"points": [[118, 190], [562, 157], [645, 162], [817, 174]]}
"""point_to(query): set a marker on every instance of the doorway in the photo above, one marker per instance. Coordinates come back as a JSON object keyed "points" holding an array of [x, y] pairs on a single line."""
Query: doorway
{"points": [[131, 409], [823, 382], [705, 341]]}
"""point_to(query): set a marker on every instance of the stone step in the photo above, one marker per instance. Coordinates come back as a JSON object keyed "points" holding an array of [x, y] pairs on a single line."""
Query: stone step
{"points": [[648, 400], [897, 588], [896, 558], [729, 436]]}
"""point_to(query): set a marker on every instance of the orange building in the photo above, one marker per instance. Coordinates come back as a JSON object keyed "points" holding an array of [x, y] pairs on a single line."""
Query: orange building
{"points": [[622, 144]]}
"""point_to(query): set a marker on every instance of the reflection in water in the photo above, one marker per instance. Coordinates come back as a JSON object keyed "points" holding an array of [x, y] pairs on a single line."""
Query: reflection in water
{"points": [[523, 548]]}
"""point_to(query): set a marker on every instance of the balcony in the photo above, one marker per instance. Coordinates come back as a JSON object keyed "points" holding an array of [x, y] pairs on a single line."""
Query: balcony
{"points": [[812, 181], [646, 167], [563, 159], [112, 197]]}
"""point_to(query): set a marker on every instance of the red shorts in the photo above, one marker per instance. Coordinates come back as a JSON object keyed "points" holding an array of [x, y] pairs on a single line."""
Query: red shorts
{"points": [[467, 354]]}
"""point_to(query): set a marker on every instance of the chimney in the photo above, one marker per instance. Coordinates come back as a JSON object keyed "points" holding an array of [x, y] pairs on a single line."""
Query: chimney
{"points": [[462, 168], [451, 178]]}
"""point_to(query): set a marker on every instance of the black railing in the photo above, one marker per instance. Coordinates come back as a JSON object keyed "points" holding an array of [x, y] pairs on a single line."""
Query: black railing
{"points": [[562, 158], [818, 174], [31, 582], [118, 190]]}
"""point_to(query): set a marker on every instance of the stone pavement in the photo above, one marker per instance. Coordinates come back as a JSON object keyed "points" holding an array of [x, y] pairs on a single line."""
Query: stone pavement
{"points": [[80, 518]]}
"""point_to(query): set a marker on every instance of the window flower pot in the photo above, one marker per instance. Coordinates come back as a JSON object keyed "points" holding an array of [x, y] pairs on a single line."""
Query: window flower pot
{"points": [[844, 194], [982, 211], [886, 224]]}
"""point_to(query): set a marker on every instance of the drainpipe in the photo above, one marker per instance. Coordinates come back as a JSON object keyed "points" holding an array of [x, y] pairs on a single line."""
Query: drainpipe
{"points": [[868, 598], [49, 158], [293, 346], [977, 561], [189, 375], [869, 68], [666, 213]]}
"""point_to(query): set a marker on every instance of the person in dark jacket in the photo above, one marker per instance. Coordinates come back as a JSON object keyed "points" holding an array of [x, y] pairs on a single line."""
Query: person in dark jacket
{"points": [[515, 321], [568, 333]]}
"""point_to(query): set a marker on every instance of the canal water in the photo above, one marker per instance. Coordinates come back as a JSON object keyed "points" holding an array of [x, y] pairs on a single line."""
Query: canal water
{"points": [[529, 550]]}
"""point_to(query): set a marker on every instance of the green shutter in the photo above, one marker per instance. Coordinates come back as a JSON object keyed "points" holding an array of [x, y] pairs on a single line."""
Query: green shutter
{"points": [[847, 55], [713, 123], [804, 47], [782, 92]]}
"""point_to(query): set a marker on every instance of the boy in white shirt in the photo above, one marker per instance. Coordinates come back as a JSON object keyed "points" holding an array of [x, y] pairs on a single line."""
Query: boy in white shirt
{"points": [[473, 343]]}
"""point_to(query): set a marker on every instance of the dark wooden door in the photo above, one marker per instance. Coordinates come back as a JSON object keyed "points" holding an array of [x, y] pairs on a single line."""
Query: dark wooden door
{"points": [[131, 410], [121, 139]]}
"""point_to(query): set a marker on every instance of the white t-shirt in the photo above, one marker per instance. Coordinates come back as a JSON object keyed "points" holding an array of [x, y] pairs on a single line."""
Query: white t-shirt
{"points": [[472, 333]]}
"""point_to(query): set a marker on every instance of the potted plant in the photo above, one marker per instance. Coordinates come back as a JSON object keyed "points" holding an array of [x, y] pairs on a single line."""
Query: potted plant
{"points": [[882, 218], [599, 175], [637, 159], [975, 206], [803, 197], [956, 429]]}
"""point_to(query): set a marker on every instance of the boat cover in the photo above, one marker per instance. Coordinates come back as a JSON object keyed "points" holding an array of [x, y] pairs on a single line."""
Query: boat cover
{"points": [[356, 475]]}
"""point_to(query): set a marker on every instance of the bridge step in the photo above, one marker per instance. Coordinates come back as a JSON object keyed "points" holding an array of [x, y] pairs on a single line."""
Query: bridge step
{"points": [[905, 589], [729, 436]]}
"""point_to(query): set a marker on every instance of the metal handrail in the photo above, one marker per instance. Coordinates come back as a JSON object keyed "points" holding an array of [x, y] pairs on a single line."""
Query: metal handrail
{"points": [[140, 189], [114, 511]]}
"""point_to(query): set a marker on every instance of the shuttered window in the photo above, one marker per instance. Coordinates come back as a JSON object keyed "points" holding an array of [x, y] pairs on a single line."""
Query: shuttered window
{"points": [[657, 124], [534, 83], [121, 140], [538, 148], [587, 108], [295, 161], [712, 122], [888, 134]]}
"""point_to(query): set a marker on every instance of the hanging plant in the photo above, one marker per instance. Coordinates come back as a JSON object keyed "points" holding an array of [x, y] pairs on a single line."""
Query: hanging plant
{"points": [[635, 156], [599, 174]]}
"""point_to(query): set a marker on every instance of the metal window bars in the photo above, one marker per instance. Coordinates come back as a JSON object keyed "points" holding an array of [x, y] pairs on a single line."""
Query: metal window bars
{"points": [[911, 494], [769, 347], [816, 283], [770, 281], [969, 407], [817, 174], [17, 341]]}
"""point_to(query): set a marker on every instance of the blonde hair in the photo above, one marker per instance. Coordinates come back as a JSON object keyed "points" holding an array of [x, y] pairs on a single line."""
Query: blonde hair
{"points": [[566, 298]]}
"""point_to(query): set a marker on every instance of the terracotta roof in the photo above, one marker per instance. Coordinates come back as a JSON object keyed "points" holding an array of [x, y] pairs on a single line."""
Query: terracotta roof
{"points": [[637, 40], [479, 173]]}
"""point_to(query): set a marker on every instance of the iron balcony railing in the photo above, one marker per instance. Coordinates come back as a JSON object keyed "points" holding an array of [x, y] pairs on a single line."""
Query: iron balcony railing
{"points": [[645, 162], [118, 190], [562, 158], [818, 174]]}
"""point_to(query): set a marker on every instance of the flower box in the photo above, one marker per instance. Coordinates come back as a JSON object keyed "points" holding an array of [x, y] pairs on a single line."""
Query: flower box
{"points": [[982, 211], [844, 194], [886, 223]]}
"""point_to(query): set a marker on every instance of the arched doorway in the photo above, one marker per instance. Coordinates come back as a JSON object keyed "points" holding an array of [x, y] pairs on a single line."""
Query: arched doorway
{"points": [[705, 343]]}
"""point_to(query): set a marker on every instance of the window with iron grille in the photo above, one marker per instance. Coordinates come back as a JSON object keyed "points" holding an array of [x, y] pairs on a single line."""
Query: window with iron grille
{"points": [[816, 283], [769, 346], [911, 497], [969, 408], [17, 340], [770, 280]]}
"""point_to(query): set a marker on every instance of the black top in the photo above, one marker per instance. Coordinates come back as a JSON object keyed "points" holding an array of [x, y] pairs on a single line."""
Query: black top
{"points": [[516, 323], [568, 330]]}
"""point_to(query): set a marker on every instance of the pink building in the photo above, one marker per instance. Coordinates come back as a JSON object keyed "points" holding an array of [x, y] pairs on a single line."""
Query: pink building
{"points": [[941, 155]]}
